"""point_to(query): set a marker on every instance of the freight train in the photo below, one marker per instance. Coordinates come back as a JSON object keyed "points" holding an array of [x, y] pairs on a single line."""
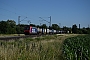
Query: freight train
{"points": [[30, 30]]}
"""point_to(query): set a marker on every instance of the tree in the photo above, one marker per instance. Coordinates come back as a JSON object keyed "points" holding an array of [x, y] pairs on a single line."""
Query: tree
{"points": [[74, 28], [85, 30], [20, 28], [11, 27], [43, 26], [55, 26], [80, 31], [38, 26], [66, 29], [33, 25], [88, 31], [12, 23], [8, 27], [3, 27]]}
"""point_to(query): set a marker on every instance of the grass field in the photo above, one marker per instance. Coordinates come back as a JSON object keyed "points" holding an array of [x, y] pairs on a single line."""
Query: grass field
{"points": [[6, 35], [40, 48], [77, 48]]}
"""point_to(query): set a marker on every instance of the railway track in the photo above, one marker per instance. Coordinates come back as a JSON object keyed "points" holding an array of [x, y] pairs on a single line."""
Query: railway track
{"points": [[16, 37]]}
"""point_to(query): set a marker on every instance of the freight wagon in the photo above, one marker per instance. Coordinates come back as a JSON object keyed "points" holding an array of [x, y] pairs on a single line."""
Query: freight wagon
{"points": [[30, 30]]}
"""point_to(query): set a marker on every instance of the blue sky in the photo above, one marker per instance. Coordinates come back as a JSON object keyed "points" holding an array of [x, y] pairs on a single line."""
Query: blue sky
{"points": [[65, 12]]}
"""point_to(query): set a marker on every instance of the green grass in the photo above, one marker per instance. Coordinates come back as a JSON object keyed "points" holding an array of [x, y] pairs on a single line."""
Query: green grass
{"points": [[5, 35], [77, 48], [40, 48]]}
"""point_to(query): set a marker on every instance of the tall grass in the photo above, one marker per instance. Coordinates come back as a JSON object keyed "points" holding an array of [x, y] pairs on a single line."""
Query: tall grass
{"points": [[40, 48]]}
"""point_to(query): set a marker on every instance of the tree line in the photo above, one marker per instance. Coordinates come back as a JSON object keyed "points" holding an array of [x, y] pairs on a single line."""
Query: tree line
{"points": [[10, 27]]}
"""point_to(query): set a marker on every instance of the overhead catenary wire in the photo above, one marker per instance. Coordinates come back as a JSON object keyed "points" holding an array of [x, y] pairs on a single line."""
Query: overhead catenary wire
{"points": [[7, 17], [46, 20], [8, 5], [13, 12], [8, 11], [3, 14]]}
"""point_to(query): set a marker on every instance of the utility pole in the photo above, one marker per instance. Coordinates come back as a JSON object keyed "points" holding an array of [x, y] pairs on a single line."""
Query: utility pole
{"points": [[79, 26], [88, 26], [50, 21], [19, 25], [46, 20], [60, 25], [18, 20], [40, 24], [29, 22]]}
